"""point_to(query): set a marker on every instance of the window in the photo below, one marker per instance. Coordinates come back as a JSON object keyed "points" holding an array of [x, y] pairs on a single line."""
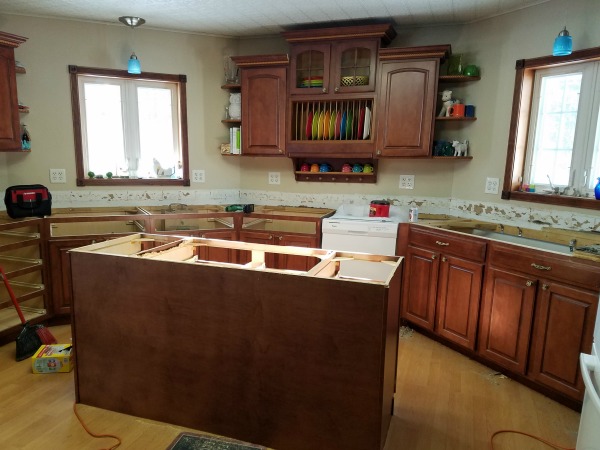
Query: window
{"points": [[129, 129], [554, 141]]}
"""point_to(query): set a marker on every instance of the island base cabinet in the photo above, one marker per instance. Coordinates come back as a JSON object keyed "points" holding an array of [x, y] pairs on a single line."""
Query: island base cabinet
{"points": [[506, 319], [563, 329], [290, 361]]}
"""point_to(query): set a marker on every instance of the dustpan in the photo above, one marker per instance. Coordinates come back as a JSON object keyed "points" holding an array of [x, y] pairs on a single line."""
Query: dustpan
{"points": [[31, 337]]}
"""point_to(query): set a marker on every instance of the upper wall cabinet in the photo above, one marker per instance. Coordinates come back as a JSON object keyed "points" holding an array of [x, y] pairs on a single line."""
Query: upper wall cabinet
{"points": [[332, 90], [263, 88], [339, 60], [10, 129], [406, 99]]}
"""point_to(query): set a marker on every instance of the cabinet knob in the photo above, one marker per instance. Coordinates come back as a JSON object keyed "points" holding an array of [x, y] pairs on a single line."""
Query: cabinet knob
{"points": [[280, 150], [444, 259], [545, 287], [433, 256], [270, 236], [529, 283], [379, 152], [280, 237], [337, 89], [324, 90]]}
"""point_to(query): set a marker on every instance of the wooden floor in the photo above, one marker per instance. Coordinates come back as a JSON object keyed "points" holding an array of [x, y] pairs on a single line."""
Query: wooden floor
{"points": [[444, 401]]}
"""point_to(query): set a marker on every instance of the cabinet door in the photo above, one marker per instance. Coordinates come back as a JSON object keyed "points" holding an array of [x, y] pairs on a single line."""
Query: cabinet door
{"points": [[296, 262], [564, 324], [309, 68], [458, 300], [506, 319], [257, 237], [10, 129], [353, 66], [60, 272], [405, 108], [227, 255], [263, 110], [420, 287]]}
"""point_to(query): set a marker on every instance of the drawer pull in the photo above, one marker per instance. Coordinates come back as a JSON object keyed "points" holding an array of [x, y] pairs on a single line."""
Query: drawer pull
{"points": [[444, 244], [444, 259], [545, 286], [529, 283], [537, 266], [433, 256]]}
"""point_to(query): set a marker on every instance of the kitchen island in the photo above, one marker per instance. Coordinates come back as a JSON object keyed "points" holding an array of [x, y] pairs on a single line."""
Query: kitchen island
{"points": [[285, 358]]}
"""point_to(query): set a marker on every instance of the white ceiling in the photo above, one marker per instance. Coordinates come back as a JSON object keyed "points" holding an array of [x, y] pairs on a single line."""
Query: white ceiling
{"points": [[265, 17]]}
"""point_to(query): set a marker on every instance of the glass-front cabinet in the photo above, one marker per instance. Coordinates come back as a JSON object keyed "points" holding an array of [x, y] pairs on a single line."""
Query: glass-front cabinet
{"points": [[334, 68]]}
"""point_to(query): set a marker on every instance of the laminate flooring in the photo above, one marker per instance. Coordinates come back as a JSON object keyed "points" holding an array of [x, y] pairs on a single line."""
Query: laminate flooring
{"points": [[444, 401]]}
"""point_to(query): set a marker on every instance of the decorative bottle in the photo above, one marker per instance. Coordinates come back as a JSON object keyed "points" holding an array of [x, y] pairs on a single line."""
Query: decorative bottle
{"points": [[597, 190]]}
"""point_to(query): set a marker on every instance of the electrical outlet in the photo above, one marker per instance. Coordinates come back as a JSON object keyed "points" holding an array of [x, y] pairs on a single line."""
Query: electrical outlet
{"points": [[407, 181], [491, 185], [198, 176], [58, 176], [274, 177]]}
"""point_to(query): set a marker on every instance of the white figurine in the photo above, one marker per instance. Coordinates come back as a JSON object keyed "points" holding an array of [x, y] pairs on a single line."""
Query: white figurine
{"points": [[460, 148], [235, 106], [447, 102]]}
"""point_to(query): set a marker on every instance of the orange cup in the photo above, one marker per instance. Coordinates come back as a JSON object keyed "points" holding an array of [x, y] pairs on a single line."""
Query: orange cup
{"points": [[457, 110]]}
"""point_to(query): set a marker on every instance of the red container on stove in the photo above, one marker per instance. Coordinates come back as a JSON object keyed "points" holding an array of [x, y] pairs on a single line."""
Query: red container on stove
{"points": [[379, 208]]}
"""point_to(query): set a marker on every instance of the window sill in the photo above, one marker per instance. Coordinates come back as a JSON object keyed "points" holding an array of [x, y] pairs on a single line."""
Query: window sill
{"points": [[552, 199], [133, 182]]}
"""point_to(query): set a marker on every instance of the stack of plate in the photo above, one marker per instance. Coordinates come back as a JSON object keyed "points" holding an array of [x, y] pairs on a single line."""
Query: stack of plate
{"points": [[311, 82], [338, 124]]}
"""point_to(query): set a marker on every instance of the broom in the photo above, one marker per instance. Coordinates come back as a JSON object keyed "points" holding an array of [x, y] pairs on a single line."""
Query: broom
{"points": [[31, 337]]}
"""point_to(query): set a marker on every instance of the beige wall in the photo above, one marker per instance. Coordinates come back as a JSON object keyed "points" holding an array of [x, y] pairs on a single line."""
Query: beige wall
{"points": [[494, 44]]}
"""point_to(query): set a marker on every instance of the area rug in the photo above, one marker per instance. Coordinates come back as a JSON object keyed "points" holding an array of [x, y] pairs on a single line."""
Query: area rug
{"points": [[191, 441]]}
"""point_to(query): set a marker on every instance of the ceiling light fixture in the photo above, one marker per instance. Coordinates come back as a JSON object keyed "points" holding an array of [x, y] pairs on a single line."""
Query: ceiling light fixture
{"points": [[133, 66], [563, 44]]}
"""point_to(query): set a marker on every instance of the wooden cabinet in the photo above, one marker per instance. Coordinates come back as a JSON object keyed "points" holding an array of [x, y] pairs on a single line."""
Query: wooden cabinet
{"points": [[221, 254], [60, 272], [406, 100], [264, 91], [21, 257], [332, 89], [442, 284], [280, 260], [10, 128], [538, 315], [506, 319]]}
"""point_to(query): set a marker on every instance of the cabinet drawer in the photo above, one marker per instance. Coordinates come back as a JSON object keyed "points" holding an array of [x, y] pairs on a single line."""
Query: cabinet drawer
{"points": [[448, 243], [545, 264]]}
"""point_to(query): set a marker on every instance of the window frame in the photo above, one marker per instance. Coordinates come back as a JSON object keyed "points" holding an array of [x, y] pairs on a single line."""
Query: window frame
{"points": [[82, 180], [519, 129]]}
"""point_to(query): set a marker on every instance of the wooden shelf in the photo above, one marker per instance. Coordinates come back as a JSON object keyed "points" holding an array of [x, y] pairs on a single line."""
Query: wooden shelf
{"points": [[452, 157], [456, 78], [231, 86], [235, 121], [20, 69], [24, 110], [337, 177], [456, 119]]}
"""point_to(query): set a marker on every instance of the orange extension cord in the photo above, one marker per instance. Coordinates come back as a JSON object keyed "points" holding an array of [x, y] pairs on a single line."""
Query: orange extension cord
{"points": [[550, 444], [91, 433]]}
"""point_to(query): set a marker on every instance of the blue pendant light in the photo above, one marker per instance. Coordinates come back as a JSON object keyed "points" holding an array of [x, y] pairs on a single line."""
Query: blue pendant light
{"points": [[133, 66], [563, 44]]}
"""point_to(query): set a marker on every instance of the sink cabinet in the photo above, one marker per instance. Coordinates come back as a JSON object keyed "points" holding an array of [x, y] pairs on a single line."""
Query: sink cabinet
{"points": [[406, 100], [442, 284], [10, 127], [538, 313]]}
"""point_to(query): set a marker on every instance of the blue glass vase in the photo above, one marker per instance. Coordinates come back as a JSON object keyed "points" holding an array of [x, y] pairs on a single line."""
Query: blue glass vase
{"points": [[597, 190]]}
